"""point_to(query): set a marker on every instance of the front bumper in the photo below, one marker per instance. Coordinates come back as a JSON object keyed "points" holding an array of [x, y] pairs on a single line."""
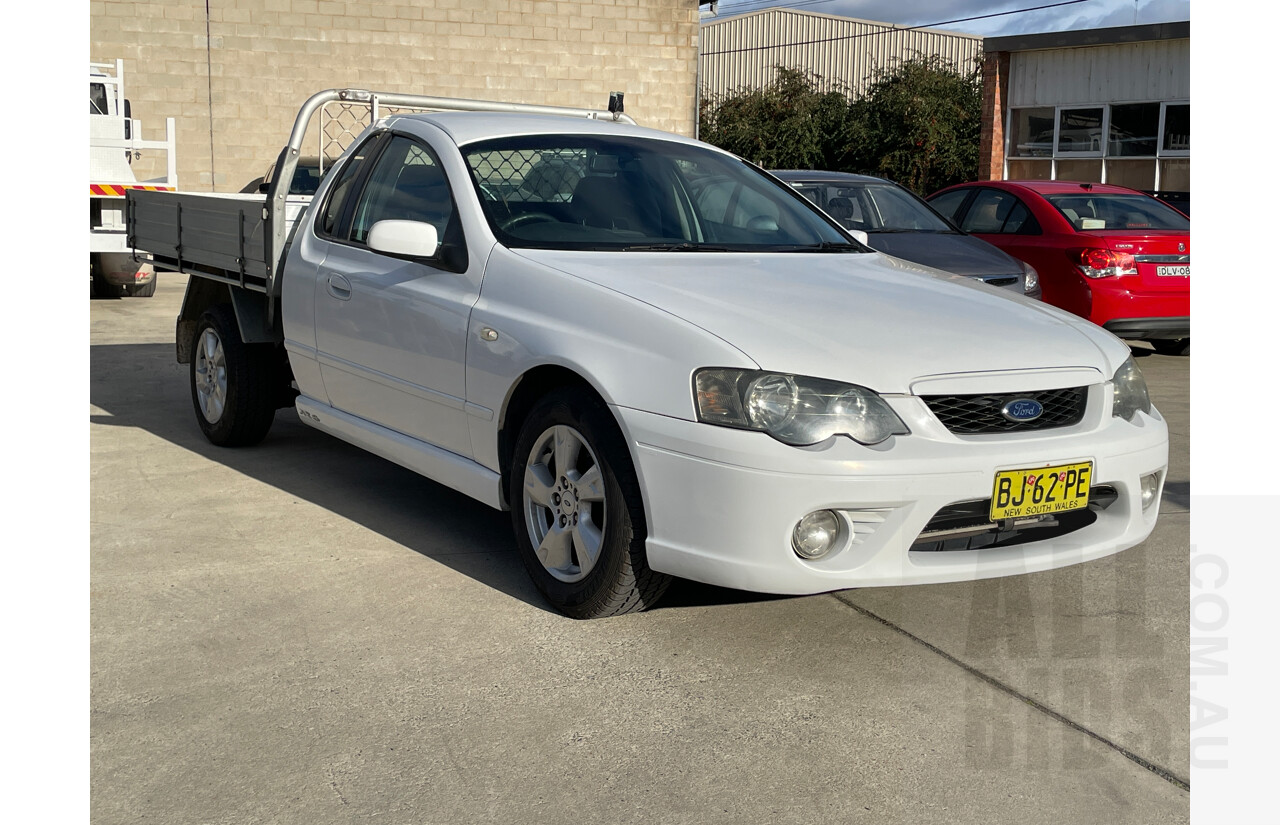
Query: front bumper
{"points": [[721, 504]]}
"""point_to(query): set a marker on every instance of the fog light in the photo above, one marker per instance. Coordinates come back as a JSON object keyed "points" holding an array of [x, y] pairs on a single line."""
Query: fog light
{"points": [[1150, 486], [816, 534]]}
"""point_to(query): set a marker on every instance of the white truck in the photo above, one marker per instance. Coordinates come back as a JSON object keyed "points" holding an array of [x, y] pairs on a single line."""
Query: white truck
{"points": [[662, 361], [114, 143]]}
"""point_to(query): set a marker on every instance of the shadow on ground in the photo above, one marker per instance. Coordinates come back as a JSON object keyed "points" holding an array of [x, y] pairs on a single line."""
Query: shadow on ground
{"points": [[140, 385]]}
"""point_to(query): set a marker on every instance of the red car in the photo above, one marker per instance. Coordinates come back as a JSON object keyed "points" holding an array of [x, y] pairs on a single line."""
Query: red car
{"points": [[1113, 255]]}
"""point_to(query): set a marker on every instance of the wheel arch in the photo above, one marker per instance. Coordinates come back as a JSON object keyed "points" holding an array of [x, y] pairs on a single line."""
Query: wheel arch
{"points": [[533, 385], [250, 309]]}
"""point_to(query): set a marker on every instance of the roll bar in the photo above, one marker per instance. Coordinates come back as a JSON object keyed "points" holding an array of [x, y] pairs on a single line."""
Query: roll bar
{"points": [[286, 164]]}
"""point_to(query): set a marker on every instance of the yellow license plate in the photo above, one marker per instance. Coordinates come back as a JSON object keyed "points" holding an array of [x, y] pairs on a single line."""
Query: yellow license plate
{"points": [[1041, 491]]}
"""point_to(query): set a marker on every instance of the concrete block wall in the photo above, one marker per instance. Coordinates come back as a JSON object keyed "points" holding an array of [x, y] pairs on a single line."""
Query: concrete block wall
{"points": [[233, 73]]}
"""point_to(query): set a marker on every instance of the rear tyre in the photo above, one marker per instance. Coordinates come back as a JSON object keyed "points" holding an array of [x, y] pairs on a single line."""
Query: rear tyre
{"points": [[577, 511], [144, 291], [1180, 346], [232, 383]]}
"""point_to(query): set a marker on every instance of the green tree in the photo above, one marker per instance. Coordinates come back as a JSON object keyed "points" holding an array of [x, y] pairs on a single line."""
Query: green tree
{"points": [[919, 123], [789, 124]]}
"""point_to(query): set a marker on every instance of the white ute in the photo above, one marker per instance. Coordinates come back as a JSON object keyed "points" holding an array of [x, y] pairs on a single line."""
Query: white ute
{"points": [[660, 359]]}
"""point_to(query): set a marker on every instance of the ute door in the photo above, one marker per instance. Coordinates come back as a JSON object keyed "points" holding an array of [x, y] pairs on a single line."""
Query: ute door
{"points": [[391, 330], [306, 259]]}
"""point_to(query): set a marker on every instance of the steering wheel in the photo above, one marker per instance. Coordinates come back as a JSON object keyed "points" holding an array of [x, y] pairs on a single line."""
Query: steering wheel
{"points": [[526, 218]]}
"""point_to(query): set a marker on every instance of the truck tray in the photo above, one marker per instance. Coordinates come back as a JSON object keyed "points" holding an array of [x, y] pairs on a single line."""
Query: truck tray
{"points": [[224, 237]]}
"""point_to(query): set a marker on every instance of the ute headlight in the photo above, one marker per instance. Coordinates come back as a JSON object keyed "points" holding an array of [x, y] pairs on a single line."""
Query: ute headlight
{"points": [[794, 409], [1129, 391]]}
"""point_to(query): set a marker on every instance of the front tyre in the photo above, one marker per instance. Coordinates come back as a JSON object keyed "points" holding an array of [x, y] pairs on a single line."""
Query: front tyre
{"points": [[577, 511], [231, 382]]}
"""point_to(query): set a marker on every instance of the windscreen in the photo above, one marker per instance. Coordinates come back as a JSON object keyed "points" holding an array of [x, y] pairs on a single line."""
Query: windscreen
{"points": [[873, 207], [592, 192], [1088, 211]]}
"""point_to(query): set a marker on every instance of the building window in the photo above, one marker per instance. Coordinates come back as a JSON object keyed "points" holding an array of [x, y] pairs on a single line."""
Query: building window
{"points": [[1147, 145], [1177, 129], [1080, 131], [1135, 173], [1135, 127], [1031, 133], [1028, 169]]}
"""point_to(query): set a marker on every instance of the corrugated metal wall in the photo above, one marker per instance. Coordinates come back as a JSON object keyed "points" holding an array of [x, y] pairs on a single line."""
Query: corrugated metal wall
{"points": [[1153, 70], [837, 48]]}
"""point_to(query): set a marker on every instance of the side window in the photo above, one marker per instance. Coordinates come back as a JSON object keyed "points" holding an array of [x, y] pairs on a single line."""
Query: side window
{"points": [[406, 184], [949, 204], [341, 188], [989, 212], [97, 99], [1021, 221]]}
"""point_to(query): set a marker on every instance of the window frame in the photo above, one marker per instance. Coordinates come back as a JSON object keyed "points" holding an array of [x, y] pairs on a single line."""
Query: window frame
{"points": [[1102, 153], [1104, 127], [342, 224], [445, 258]]}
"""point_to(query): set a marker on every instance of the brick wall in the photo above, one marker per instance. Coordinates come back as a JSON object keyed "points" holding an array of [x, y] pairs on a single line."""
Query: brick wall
{"points": [[995, 91], [233, 73]]}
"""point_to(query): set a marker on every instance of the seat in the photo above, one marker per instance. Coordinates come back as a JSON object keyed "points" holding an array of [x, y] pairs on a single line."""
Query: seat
{"points": [[619, 202], [986, 219], [846, 213], [840, 208]]}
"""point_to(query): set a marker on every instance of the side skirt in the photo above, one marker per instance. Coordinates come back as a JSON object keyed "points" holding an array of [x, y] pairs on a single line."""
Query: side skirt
{"points": [[449, 469]]}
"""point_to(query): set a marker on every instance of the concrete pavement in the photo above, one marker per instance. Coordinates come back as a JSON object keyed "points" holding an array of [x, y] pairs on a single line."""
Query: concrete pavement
{"points": [[301, 632]]}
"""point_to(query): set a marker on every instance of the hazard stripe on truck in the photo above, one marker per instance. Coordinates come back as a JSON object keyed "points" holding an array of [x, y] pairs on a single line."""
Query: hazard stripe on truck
{"points": [[112, 190]]}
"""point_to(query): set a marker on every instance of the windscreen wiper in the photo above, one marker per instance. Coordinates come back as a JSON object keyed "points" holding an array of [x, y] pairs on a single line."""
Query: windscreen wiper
{"points": [[824, 246], [683, 246]]}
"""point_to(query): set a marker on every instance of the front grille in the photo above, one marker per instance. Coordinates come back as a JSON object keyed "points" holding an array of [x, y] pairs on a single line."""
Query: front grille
{"points": [[970, 414]]}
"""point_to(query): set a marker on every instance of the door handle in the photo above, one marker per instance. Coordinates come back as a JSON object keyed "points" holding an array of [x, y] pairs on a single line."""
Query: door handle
{"points": [[338, 286]]}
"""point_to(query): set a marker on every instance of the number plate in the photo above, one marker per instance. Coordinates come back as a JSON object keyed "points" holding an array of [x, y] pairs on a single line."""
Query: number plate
{"points": [[1179, 271], [1044, 490]]}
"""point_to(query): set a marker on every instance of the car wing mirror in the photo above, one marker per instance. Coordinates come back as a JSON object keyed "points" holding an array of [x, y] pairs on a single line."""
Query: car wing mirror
{"points": [[412, 239], [859, 236]]}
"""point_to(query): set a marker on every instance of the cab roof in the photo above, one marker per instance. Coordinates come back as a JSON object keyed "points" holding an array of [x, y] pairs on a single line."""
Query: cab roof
{"points": [[470, 127]]}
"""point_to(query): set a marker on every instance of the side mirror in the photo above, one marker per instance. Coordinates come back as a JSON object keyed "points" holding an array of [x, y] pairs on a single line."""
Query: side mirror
{"points": [[859, 236], [412, 239]]}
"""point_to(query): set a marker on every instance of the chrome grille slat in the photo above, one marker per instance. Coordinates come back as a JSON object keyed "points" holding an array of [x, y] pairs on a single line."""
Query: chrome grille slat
{"points": [[977, 414]]}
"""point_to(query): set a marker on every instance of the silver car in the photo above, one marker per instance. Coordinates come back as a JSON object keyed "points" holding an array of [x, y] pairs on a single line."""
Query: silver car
{"points": [[900, 224]]}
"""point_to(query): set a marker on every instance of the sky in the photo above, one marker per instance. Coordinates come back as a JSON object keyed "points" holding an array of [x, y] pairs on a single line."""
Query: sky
{"points": [[1089, 14]]}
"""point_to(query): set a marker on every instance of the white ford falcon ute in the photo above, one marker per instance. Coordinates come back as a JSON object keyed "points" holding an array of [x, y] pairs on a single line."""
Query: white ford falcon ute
{"points": [[666, 363]]}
